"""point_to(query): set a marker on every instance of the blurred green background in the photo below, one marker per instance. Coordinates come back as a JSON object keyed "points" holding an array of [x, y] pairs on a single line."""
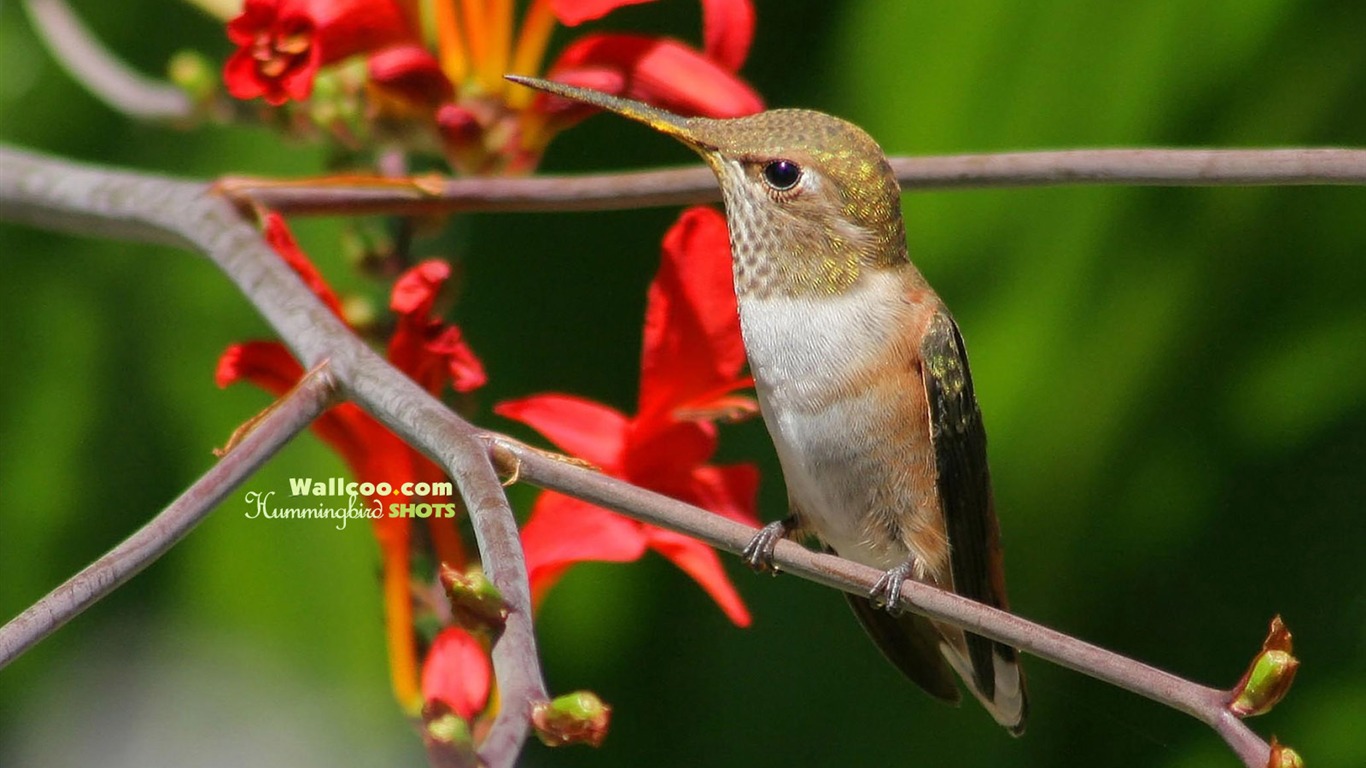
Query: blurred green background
{"points": [[1174, 383]]}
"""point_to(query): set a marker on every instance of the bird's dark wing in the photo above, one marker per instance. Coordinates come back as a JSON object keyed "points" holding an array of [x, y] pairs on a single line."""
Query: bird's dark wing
{"points": [[911, 643], [964, 485]]}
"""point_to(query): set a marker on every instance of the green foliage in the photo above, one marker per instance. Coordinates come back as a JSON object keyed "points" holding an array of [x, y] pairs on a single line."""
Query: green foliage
{"points": [[1174, 382]]}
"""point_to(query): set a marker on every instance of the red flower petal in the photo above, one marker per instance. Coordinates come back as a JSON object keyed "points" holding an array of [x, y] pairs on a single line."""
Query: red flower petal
{"points": [[661, 454], [412, 73], [460, 128], [728, 29], [728, 491], [564, 530], [267, 364], [663, 72], [416, 290], [431, 352], [701, 563], [464, 369], [692, 327], [256, 15], [580, 427], [349, 27], [571, 13], [282, 240], [457, 671]]}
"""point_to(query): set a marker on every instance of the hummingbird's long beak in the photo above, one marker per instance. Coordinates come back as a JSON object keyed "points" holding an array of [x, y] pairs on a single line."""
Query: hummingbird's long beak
{"points": [[662, 121]]}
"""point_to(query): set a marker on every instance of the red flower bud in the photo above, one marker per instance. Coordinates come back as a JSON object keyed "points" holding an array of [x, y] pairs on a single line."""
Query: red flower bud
{"points": [[410, 73]]}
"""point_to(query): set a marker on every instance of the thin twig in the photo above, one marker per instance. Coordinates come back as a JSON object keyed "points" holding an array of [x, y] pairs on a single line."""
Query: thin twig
{"points": [[285, 419], [102, 73], [1209, 705], [687, 186], [1135, 167]]}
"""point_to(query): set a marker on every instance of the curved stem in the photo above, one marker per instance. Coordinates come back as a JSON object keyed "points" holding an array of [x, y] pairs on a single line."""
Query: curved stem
{"points": [[277, 425], [102, 73], [1201, 702]]}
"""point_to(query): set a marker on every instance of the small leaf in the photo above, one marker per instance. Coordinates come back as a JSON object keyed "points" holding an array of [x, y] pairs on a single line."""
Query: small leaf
{"points": [[1268, 678]]}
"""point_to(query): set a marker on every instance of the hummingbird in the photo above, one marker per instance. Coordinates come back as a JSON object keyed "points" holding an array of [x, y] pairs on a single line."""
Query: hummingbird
{"points": [[862, 381]]}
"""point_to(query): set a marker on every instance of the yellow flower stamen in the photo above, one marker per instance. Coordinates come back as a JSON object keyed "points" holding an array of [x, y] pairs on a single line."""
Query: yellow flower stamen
{"points": [[499, 20], [449, 43], [531, 46], [398, 625], [475, 17]]}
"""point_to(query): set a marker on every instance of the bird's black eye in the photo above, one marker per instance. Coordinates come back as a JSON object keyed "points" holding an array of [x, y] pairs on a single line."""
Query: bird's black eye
{"points": [[782, 175]]}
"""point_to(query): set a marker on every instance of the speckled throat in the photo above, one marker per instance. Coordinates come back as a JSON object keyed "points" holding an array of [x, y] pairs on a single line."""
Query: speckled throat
{"points": [[840, 216], [819, 238]]}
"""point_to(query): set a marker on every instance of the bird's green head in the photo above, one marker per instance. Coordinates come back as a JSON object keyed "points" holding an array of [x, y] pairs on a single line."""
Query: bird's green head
{"points": [[810, 199]]}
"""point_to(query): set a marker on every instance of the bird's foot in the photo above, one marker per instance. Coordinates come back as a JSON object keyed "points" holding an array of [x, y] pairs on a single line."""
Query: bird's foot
{"points": [[758, 553], [886, 593]]}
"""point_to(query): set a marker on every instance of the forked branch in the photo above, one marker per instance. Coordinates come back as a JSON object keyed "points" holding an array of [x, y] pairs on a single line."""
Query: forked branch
{"points": [[275, 427]]}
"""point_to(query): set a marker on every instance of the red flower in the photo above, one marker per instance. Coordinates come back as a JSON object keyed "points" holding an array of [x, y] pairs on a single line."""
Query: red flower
{"points": [[457, 672], [663, 71], [431, 353], [489, 125], [690, 366], [657, 70], [281, 44]]}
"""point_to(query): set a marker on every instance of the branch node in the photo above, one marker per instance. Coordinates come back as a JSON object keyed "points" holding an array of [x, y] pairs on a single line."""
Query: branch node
{"points": [[319, 376], [507, 461]]}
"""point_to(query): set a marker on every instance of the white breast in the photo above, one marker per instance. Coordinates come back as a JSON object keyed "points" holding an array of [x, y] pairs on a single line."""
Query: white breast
{"points": [[802, 350]]}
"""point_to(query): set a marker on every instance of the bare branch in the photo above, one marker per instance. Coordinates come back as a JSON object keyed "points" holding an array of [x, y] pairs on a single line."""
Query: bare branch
{"points": [[687, 186], [62, 196], [1135, 167], [285, 419], [1209, 705], [102, 73]]}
